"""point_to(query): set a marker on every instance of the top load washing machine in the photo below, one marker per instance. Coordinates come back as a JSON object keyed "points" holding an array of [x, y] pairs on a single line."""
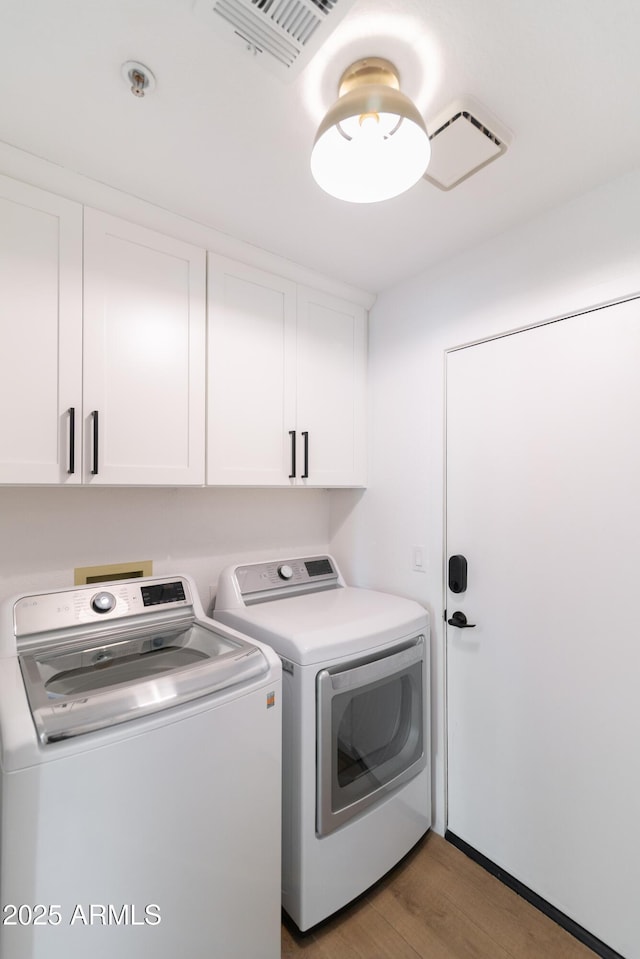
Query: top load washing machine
{"points": [[356, 770], [140, 790]]}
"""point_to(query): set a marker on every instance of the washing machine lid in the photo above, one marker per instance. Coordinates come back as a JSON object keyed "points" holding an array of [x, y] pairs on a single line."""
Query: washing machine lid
{"points": [[147, 652], [311, 628]]}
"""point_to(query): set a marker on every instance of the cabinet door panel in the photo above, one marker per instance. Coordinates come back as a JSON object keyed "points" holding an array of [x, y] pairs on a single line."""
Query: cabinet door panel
{"points": [[144, 353], [250, 375], [41, 309], [331, 358]]}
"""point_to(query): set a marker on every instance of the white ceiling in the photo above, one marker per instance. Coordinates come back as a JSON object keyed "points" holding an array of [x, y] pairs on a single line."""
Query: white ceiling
{"points": [[225, 142]]}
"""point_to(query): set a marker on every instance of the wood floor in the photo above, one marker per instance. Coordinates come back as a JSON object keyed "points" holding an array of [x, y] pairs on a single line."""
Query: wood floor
{"points": [[437, 904]]}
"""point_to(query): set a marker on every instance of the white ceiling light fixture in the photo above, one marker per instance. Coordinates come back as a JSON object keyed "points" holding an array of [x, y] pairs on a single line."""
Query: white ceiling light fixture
{"points": [[372, 144]]}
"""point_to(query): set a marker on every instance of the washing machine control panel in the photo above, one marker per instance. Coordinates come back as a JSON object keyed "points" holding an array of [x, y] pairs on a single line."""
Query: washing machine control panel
{"points": [[86, 604], [159, 594], [314, 572]]}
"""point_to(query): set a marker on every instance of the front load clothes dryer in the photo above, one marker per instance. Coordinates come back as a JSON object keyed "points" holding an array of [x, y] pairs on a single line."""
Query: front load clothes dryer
{"points": [[356, 771], [140, 763]]}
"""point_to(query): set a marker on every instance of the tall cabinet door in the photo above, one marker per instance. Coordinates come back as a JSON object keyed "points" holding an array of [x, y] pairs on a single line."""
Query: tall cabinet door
{"points": [[144, 355], [251, 376], [331, 385], [41, 309]]}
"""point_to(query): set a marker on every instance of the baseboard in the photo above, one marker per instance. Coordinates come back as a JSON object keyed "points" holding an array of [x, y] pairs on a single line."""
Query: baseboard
{"points": [[577, 931]]}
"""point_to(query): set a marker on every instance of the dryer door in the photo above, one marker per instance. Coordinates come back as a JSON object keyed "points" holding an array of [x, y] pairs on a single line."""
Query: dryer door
{"points": [[370, 721]]}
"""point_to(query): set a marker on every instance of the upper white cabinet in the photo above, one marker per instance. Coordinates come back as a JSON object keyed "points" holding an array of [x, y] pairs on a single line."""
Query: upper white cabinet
{"points": [[286, 382], [103, 375], [251, 375], [331, 389], [144, 355], [40, 360]]}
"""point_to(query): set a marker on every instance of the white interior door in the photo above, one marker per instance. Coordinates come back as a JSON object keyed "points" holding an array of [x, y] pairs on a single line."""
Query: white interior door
{"points": [[543, 499]]}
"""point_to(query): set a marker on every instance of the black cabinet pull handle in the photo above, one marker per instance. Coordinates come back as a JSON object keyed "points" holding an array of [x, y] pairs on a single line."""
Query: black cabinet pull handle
{"points": [[72, 440], [305, 475], [460, 620], [94, 467], [292, 434]]}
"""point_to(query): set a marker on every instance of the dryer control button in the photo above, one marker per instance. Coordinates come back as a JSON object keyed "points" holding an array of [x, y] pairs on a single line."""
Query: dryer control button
{"points": [[285, 572], [103, 602]]}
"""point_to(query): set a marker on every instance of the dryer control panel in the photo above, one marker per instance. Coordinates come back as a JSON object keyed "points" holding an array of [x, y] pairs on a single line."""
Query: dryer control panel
{"points": [[279, 576]]}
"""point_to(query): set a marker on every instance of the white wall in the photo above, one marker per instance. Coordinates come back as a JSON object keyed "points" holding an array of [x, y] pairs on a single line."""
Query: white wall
{"points": [[45, 533], [582, 254]]}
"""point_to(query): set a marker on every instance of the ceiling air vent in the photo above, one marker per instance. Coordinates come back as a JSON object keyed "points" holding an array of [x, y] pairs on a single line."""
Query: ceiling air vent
{"points": [[465, 139], [284, 34]]}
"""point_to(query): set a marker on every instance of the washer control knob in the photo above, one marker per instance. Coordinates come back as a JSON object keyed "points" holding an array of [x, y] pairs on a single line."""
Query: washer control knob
{"points": [[285, 572], [103, 602]]}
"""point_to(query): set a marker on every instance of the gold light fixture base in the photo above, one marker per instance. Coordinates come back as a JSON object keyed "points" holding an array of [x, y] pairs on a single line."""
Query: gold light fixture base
{"points": [[372, 70]]}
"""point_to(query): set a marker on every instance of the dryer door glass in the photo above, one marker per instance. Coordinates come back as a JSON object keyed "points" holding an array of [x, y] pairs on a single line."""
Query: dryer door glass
{"points": [[371, 732]]}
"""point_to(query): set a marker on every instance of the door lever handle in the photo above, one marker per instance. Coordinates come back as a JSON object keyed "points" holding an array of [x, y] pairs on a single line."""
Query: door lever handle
{"points": [[460, 620]]}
